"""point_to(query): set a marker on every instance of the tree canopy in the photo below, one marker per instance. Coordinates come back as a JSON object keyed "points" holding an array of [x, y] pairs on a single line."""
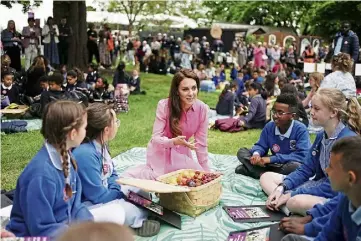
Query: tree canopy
{"points": [[303, 17]]}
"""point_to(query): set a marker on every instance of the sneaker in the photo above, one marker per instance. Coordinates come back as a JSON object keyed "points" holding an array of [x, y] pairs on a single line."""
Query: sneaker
{"points": [[150, 228]]}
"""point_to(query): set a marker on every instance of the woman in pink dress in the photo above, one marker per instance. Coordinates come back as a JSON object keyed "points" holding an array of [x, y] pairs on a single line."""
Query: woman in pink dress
{"points": [[178, 118], [258, 52]]}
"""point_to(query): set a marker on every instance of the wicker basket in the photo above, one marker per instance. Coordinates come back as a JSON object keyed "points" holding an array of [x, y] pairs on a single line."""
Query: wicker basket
{"points": [[195, 202]]}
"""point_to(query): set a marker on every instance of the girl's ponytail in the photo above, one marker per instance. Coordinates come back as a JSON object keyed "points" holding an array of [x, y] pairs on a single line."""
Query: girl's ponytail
{"points": [[353, 111]]}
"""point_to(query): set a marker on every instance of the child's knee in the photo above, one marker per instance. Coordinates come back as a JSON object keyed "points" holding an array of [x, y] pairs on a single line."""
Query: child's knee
{"points": [[270, 177], [293, 202]]}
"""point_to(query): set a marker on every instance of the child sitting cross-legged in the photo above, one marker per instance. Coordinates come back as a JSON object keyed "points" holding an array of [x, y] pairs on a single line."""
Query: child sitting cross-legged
{"points": [[309, 184], [287, 139], [344, 173]]}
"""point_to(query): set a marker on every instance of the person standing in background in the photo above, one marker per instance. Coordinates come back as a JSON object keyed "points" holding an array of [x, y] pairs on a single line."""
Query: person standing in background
{"points": [[11, 43], [51, 33], [346, 41], [242, 54], [92, 44], [30, 42], [65, 31]]}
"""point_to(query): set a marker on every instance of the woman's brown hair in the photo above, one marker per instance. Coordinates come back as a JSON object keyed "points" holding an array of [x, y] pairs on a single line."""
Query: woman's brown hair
{"points": [[59, 118], [8, 26], [317, 77], [91, 231], [349, 110], [342, 62], [39, 62], [175, 109]]}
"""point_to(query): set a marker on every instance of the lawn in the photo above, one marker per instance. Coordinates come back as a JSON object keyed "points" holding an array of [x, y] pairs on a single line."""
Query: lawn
{"points": [[135, 131]]}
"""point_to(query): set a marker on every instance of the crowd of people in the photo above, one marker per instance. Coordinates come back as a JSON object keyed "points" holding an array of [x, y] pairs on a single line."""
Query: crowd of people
{"points": [[72, 177]]}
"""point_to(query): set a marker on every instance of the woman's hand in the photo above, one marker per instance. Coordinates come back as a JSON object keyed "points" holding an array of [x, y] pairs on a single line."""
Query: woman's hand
{"points": [[181, 141]]}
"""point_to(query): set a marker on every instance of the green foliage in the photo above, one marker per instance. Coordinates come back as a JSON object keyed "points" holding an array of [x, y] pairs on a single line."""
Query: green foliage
{"points": [[26, 4], [251, 39], [321, 18]]}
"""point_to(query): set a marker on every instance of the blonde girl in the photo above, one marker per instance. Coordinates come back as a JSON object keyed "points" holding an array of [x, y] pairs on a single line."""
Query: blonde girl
{"points": [[315, 83]]}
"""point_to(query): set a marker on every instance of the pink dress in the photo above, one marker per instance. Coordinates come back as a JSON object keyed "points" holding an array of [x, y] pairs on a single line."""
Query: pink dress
{"points": [[162, 155], [257, 53]]}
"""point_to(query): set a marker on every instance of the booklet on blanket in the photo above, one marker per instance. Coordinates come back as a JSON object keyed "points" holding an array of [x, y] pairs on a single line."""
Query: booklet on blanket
{"points": [[247, 212], [266, 233], [133, 197], [259, 235], [253, 214], [159, 211]]}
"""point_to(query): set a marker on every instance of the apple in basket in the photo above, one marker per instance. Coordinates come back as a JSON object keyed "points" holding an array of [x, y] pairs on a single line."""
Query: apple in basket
{"points": [[192, 178]]}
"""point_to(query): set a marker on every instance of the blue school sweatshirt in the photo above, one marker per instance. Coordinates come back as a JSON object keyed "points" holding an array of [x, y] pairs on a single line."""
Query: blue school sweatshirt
{"points": [[240, 84], [233, 74], [344, 224], [256, 116], [90, 165], [40, 206], [223, 76], [246, 77], [320, 214], [311, 167], [290, 146]]}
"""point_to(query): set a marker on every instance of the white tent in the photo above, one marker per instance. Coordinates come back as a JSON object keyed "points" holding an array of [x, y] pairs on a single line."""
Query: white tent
{"points": [[121, 18]]}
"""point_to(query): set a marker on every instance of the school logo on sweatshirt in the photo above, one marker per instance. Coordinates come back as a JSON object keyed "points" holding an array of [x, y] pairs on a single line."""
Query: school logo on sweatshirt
{"points": [[276, 148], [105, 168], [293, 145]]}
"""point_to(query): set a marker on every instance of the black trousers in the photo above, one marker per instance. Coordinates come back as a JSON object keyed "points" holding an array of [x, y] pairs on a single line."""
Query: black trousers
{"points": [[14, 53], [63, 48], [93, 51], [244, 156]]}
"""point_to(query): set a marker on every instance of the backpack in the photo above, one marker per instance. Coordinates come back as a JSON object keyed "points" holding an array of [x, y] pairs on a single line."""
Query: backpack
{"points": [[228, 125]]}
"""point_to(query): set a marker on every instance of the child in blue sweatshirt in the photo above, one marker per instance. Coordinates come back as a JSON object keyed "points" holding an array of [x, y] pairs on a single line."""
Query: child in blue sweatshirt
{"points": [[287, 139], [48, 192], [105, 198], [344, 173], [234, 72], [296, 190], [256, 117]]}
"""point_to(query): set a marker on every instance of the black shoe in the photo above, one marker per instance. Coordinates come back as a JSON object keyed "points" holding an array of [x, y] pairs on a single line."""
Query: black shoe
{"points": [[241, 169], [149, 228]]}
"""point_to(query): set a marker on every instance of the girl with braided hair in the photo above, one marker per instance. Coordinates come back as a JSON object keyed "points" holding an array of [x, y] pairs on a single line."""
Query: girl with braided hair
{"points": [[101, 193], [48, 192]]}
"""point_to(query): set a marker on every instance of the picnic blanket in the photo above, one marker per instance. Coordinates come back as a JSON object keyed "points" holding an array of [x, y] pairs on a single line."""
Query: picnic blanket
{"points": [[214, 224]]}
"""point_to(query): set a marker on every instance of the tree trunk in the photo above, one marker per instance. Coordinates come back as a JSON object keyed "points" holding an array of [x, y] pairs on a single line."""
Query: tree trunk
{"points": [[130, 28], [75, 12]]}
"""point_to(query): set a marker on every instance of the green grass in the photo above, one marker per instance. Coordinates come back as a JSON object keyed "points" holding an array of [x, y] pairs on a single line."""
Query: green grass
{"points": [[135, 131]]}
